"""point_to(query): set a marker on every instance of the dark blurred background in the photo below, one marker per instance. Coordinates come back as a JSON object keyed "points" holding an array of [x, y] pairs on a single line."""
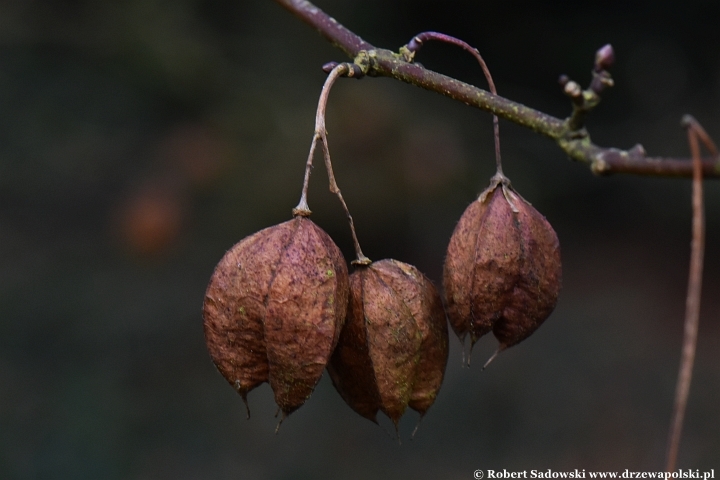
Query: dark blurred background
{"points": [[139, 140]]}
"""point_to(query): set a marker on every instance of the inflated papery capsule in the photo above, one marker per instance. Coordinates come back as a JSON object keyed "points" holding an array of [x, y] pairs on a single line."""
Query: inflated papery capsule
{"points": [[502, 271], [393, 349], [274, 309]]}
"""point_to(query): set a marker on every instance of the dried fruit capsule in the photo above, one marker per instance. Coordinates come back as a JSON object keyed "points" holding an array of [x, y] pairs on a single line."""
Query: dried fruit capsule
{"points": [[394, 346], [274, 309], [502, 270]]}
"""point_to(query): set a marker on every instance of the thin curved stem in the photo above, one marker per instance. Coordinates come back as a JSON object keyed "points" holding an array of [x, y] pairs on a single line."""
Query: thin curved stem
{"points": [[320, 134], [692, 305], [421, 38], [302, 208]]}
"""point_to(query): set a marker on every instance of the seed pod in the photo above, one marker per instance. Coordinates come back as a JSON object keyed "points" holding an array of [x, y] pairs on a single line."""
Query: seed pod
{"points": [[394, 346], [502, 270], [274, 309]]}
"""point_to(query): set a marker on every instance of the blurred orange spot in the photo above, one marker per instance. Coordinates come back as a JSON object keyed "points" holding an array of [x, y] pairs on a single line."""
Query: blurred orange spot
{"points": [[151, 220]]}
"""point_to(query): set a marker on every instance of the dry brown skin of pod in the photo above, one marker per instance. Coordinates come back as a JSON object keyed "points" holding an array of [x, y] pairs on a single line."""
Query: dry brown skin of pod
{"points": [[394, 346], [502, 270], [274, 309]]}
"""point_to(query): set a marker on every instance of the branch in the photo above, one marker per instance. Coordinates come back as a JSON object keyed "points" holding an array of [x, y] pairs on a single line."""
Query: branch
{"points": [[569, 134]]}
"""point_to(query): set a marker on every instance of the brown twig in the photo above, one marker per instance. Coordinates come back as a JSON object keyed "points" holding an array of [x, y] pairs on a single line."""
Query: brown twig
{"points": [[584, 101], [571, 138], [692, 305]]}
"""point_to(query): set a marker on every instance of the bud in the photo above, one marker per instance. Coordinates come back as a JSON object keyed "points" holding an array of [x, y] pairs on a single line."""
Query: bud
{"points": [[604, 57], [502, 270], [274, 309], [394, 346]]}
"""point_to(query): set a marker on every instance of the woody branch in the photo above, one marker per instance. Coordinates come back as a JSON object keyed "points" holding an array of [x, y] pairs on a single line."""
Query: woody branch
{"points": [[569, 134]]}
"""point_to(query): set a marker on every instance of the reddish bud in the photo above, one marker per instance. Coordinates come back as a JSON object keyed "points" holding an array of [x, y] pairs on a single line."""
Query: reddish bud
{"points": [[605, 57]]}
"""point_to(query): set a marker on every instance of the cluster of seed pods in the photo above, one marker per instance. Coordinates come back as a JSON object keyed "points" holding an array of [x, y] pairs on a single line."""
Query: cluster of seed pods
{"points": [[281, 308], [277, 311]]}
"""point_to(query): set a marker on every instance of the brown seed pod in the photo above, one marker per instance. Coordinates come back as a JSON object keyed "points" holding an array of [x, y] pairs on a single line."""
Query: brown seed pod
{"points": [[274, 309], [394, 346], [502, 270]]}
